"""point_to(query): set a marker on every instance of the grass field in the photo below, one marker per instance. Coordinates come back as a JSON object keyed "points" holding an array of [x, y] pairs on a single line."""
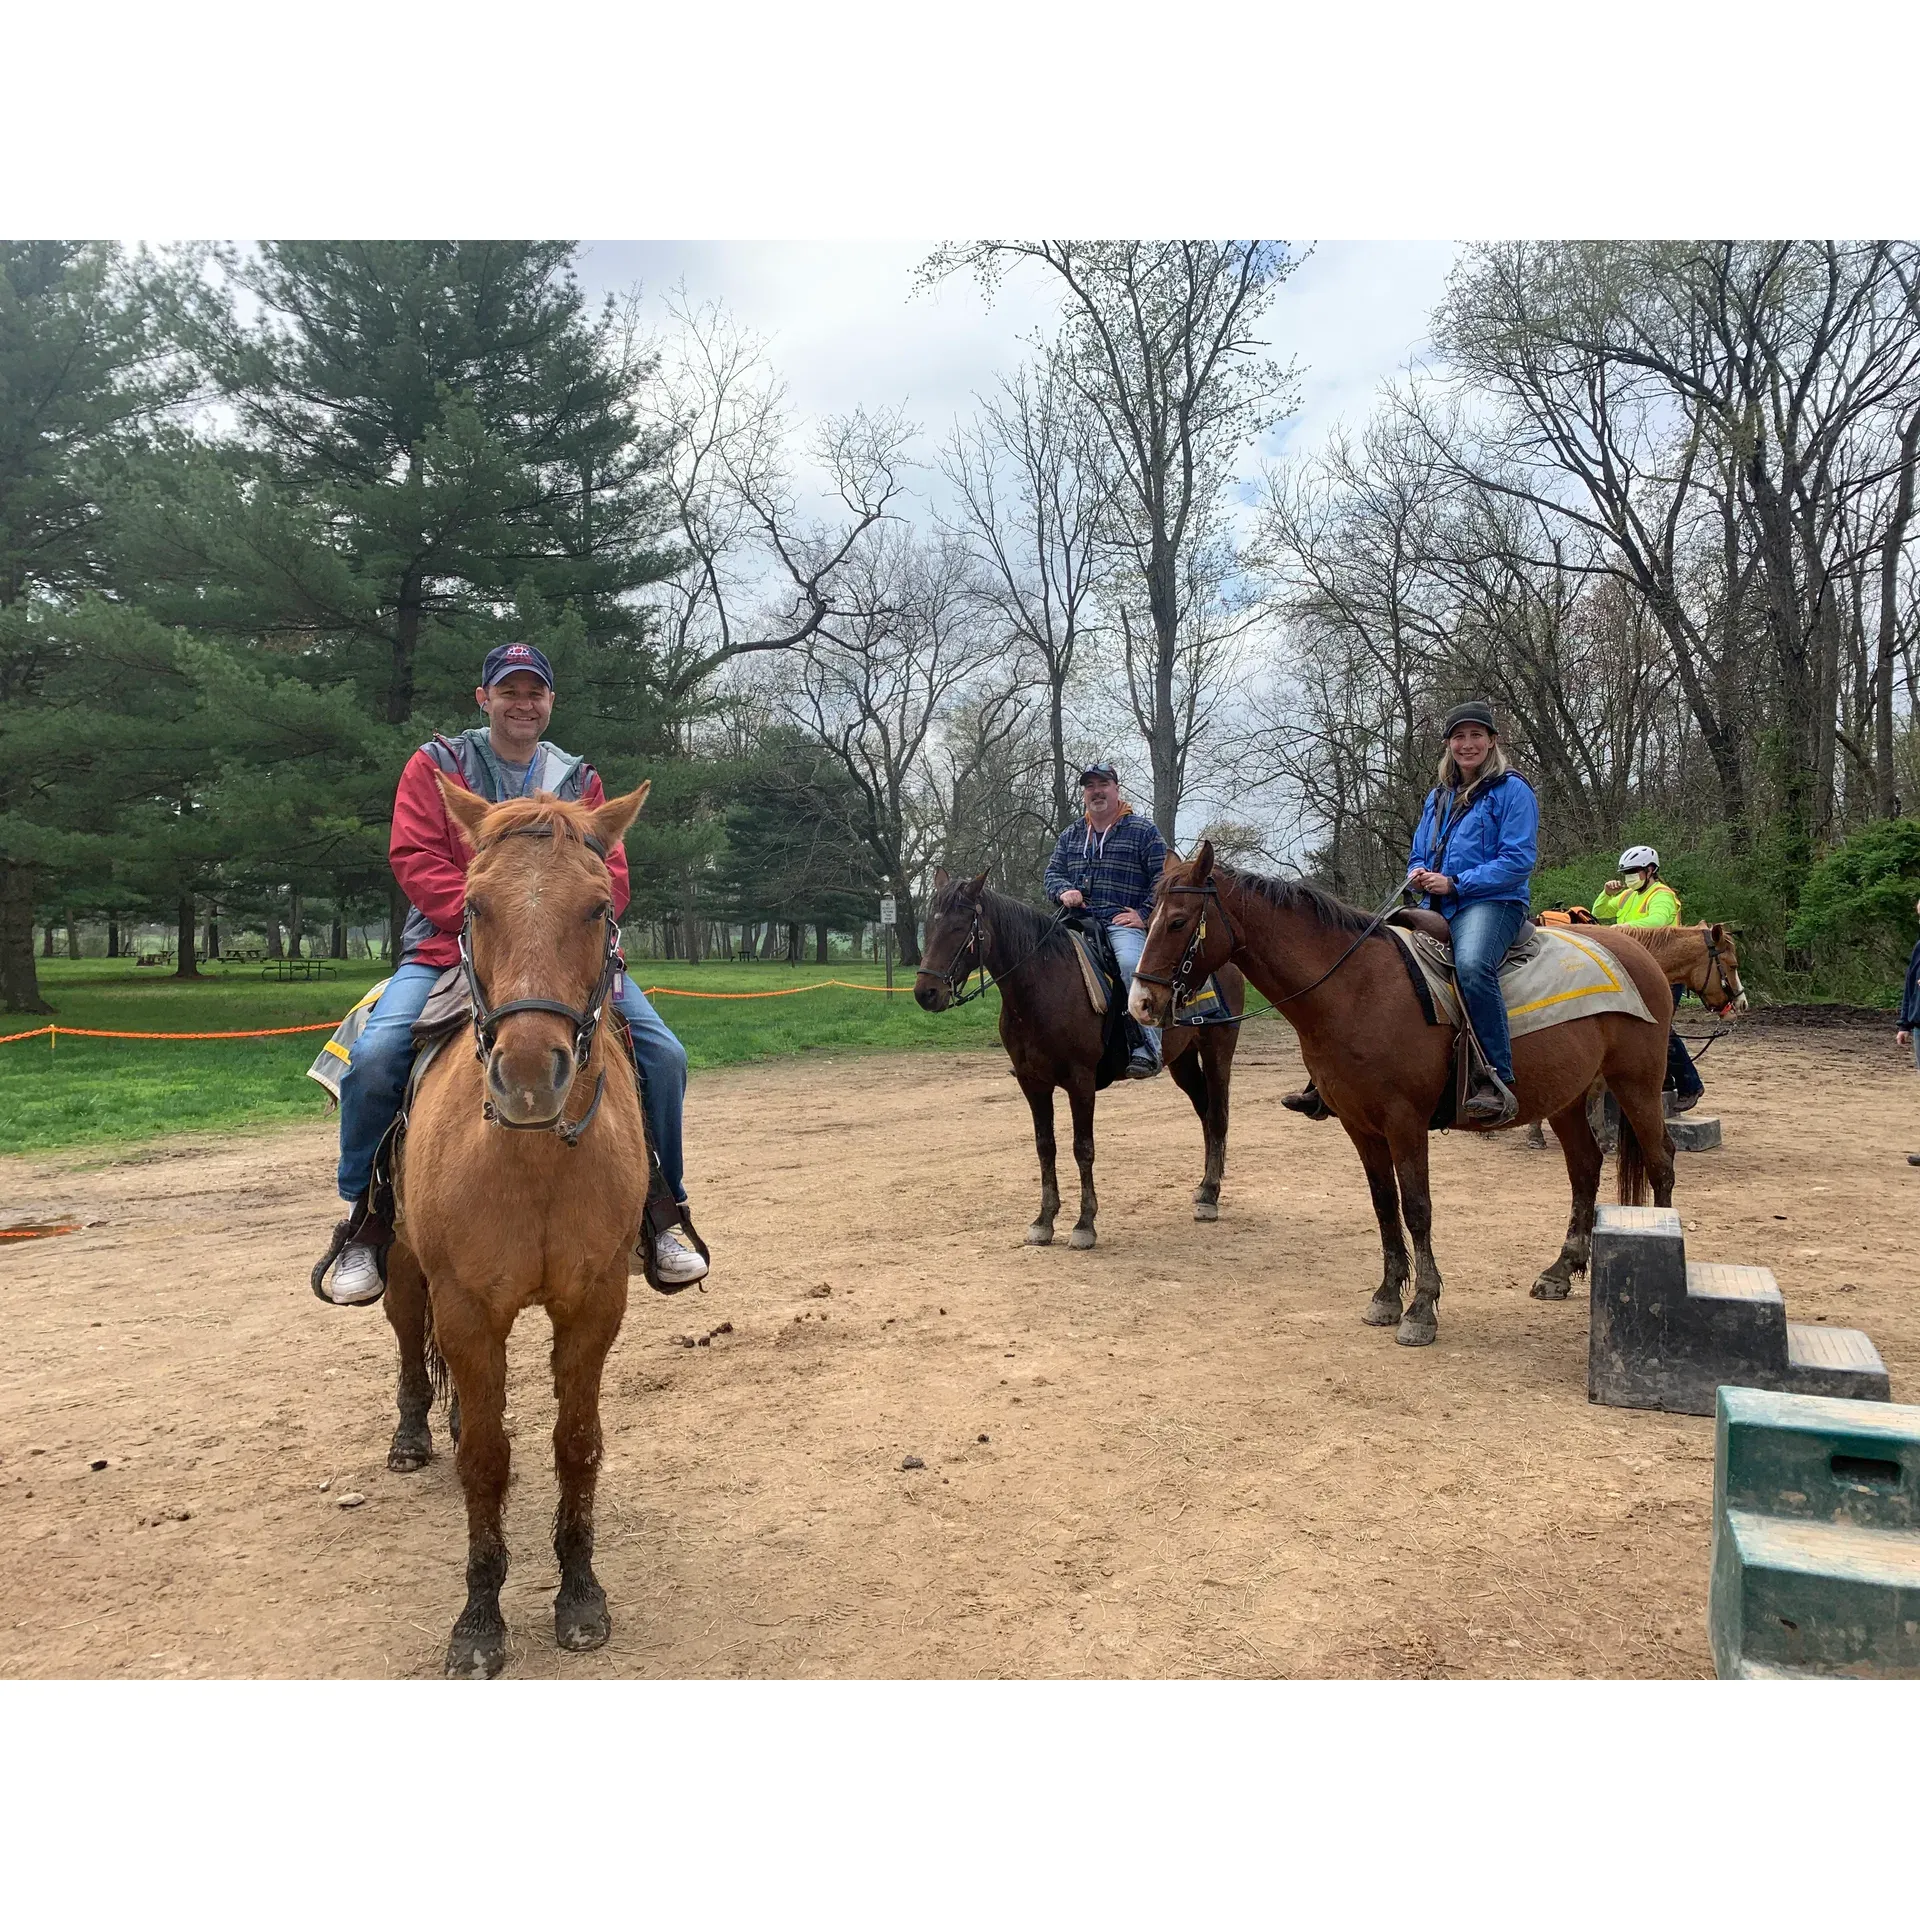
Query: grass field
{"points": [[104, 1092]]}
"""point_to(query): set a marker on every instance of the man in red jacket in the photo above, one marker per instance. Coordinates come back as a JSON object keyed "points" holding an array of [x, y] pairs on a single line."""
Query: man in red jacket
{"points": [[504, 760]]}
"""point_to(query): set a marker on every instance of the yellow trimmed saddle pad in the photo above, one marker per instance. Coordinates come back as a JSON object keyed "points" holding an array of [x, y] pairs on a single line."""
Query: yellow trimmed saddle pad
{"points": [[1550, 974]]}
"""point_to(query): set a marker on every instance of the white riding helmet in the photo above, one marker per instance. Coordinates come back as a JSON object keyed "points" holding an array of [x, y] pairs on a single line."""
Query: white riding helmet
{"points": [[1639, 857]]}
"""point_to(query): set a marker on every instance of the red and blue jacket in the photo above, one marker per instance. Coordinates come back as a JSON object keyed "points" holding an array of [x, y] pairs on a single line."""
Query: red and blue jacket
{"points": [[427, 854]]}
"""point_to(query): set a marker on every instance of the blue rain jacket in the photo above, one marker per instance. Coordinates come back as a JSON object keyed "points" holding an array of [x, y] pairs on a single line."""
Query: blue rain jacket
{"points": [[1492, 849]]}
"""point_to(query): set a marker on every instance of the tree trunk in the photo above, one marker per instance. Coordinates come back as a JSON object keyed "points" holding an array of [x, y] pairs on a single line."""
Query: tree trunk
{"points": [[19, 981], [820, 943], [275, 950], [73, 937], [185, 967], [337, 946], [213, 931], [1886, 797], [295, 929], [793, 943], [113, 936], [46, 941]]}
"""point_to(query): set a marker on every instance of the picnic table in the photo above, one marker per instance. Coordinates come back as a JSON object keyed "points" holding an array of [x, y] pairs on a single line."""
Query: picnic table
{"points": [[297, 970]]}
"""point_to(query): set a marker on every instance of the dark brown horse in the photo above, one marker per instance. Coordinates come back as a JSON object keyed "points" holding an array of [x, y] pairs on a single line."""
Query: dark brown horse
{"points": [[521, 1185], [1341, 981], [1053, 1036]]}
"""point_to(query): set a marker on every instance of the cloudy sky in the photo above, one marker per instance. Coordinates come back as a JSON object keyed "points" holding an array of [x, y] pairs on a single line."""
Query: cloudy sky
{"points": [[846, 326]]}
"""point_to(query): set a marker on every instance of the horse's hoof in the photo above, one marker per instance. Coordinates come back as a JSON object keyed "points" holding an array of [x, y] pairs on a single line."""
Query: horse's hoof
{"points": [[476, 1656], [1080, 1239], [1382, 1313], [1417, 1333], [581, 1625], [410, 1454], [1039, 1236], [1206, 1210], [1551, 1286]]}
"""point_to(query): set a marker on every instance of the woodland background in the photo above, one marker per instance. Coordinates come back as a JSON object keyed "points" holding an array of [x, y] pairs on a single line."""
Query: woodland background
{"points": [[263, 510]]}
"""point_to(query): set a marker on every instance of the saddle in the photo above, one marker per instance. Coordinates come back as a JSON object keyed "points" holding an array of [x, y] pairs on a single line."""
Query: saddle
{"points": [[1100, 974], [448, 1011]]}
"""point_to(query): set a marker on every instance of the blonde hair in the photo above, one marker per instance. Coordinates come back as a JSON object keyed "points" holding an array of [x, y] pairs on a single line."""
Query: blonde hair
{"points": [[1449, 775]]}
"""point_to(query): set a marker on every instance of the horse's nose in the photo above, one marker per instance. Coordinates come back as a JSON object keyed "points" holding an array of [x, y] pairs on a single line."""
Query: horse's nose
{"points": [[928, 995], [529, 1085]]}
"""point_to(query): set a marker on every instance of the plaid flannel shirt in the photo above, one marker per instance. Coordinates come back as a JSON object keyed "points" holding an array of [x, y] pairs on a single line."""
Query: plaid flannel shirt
{"points": [[1114, 870]]}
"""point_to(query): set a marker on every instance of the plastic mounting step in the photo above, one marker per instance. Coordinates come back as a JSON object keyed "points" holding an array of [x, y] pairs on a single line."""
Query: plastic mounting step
{"points": [[1666, 1331]]}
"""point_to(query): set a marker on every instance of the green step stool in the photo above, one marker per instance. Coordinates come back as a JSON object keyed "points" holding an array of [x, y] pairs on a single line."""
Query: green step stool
{"points": [[1816, 1538]]}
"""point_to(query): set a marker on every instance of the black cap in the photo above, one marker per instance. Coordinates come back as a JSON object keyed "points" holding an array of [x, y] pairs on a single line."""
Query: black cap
{"points": [[1100, 770], [1468, 713], [515, 658]]}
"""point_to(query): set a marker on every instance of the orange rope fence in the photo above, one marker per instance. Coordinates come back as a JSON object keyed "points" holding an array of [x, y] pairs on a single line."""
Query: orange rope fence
{"points": [[52, 1033]]}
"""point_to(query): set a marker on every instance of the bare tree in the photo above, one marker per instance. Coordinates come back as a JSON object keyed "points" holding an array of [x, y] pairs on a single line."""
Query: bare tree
{"points": [[1160, 339], [760, 575], [875, 685], [1032, 481]]}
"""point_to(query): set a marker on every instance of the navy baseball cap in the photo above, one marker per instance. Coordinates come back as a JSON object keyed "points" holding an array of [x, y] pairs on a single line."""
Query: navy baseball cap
{"points": [[1100, 770], [516, 658]]}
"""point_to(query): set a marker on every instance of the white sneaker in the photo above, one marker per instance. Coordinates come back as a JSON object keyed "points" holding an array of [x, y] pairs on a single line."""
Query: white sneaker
{"points": [[355, 1280], [678, 1263]]}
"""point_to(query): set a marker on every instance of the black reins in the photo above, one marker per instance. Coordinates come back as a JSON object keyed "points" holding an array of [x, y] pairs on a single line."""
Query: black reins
{"points": [[955, 976], [586, 1020]]}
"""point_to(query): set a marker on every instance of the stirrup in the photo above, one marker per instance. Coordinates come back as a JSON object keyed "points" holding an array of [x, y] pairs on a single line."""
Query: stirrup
{"points": [[662, 1214], [360, 1224]]}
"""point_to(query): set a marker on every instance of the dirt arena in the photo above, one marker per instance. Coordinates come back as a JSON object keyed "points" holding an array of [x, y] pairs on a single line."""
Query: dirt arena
{"points": [[1179, 1454]]}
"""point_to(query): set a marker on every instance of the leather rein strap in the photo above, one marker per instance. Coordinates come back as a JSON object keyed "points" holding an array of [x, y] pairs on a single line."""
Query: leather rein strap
{"points": [[586, 1020]]}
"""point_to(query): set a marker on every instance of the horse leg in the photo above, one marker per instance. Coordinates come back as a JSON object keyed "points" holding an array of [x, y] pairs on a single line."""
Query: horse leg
{"points": [[1195, 1075], [1422, 1321], [1383, 1310], [1080, 1101], [406, 1305], [1040, 1098], [1583, 1175], [477, 1358], [582, 1336]]}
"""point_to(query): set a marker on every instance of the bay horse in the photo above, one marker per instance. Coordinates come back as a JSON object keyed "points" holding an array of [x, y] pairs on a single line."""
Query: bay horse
{"points": [[1053, 1036], [520, 1183], [1338, 977]]}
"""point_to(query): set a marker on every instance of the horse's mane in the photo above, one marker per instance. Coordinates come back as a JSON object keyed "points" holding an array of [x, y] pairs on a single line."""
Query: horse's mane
{"points": [[1664, 942], [1007, 917], [1297, 896]]}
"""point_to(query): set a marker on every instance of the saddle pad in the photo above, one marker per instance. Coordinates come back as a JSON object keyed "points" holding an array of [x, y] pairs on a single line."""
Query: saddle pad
{"points": [[1092, 975], [448, 1005], [1552, 976]]}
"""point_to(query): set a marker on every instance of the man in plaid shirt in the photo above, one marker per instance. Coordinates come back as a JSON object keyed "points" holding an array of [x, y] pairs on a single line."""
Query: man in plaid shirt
{"points": [[1106, 864]]}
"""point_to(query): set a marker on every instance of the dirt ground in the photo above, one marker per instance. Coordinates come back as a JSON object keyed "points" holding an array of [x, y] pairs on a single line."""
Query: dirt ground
{"points": [[1179, 1454]]}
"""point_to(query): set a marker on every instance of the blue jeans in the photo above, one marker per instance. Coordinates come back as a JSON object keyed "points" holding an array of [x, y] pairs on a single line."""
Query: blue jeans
{"points": [[1128, 945], [371, 1090], [1483, 930], [1682, 1075]]}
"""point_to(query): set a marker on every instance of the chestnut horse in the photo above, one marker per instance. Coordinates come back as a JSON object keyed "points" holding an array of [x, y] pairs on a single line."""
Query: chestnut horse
{"points": [[520, 1183], [1338, 977], [1702, 959], [1052, 1034]]}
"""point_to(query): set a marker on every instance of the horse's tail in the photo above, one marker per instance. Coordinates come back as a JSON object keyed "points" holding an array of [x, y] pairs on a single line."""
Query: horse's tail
{"points": [[436, 1360], [1634, 1190]]}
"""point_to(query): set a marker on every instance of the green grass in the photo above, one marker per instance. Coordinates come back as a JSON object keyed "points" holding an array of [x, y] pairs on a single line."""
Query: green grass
{"points": [[109, 1092]]}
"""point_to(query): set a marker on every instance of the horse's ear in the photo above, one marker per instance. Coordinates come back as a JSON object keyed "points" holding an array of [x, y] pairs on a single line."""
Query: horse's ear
{"points": [[609, 823], [942, 879], [1717, 932], [1203, 862], [1171, 861], [465, 809], [977, 885]]}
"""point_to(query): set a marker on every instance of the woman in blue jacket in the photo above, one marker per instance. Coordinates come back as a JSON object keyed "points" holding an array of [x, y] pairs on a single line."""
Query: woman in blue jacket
{"points": [[1477, 842]]}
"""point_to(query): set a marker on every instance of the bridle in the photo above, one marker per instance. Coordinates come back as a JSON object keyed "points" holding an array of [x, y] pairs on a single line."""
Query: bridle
{"points": [[586, 1020], [1727, 989], [974, 954], [1180, 983]]}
